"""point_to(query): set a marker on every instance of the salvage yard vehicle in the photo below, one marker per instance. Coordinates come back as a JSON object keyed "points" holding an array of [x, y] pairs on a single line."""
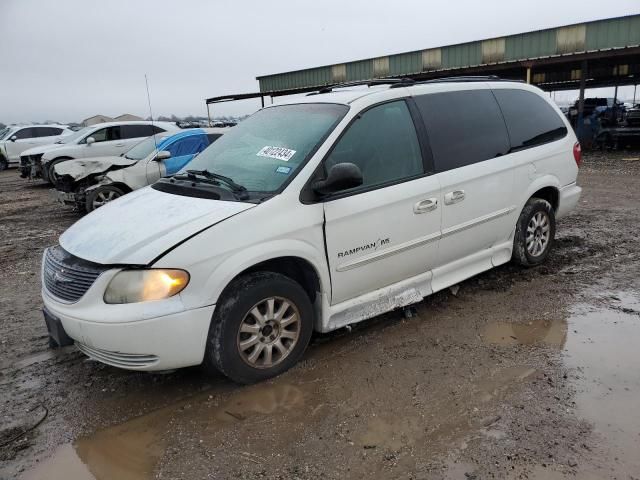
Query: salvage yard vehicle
{"points": [[313, 215], [90, 183], [16, 139], [101, 139]]}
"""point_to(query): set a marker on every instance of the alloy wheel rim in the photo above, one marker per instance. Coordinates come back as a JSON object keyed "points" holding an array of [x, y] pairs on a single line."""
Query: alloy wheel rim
{"points": [[538, 234], [104, 197], [269, 332]]}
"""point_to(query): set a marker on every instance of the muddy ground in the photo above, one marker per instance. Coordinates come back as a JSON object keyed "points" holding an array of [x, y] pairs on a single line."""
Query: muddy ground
{"points": [[524, 373]]}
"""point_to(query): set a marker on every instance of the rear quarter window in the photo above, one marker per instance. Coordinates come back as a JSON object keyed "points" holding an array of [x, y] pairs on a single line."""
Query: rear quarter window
{"points": [[530, 119]]}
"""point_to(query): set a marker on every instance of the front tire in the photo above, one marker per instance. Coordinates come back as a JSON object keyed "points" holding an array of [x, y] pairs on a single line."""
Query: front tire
{"points": [[49, 174], [261, 326], [100, 196], [3, 163], [535, 232]]}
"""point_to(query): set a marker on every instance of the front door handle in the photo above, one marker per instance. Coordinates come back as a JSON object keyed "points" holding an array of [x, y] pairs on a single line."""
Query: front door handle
{"points": [[454, 197], [424, 206], [119, 144]]}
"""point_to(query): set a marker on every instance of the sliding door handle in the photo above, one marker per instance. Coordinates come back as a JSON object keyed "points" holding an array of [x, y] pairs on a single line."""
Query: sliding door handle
{"points": [[454, 197]]}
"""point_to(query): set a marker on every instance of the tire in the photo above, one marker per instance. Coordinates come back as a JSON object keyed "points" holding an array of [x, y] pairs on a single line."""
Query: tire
{"points": [[535, 233], [48, 173], [234, 309], [3, 163], [97, 197]]}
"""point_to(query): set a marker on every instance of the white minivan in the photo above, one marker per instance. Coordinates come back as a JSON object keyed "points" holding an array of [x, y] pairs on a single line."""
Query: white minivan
{"points": [[313, 215]]}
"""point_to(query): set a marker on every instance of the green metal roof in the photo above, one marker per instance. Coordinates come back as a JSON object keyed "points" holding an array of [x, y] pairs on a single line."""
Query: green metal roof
{"points": [[608, 34]]}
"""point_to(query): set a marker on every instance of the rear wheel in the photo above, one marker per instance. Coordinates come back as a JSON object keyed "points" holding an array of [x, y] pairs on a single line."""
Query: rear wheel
{"points": [[100, 196], [261, 326], [535, 232]]}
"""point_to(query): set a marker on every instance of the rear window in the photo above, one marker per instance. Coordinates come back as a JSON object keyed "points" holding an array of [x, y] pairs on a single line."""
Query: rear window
{"points": [[530, 119], [138, 131], [464, 127]]}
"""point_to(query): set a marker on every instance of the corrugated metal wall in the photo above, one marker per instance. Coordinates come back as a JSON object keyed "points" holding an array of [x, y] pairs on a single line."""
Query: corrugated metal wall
{"points": [[616, 32], [599, 35]]}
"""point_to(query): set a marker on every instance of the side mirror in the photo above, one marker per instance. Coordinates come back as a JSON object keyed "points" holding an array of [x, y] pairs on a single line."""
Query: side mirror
{"points": [[162, 155], [342, 176], [13, 138], [90, 140]]}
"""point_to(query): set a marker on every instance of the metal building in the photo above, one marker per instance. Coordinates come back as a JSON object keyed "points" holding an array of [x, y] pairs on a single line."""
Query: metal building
{"points": [[600, 53]]}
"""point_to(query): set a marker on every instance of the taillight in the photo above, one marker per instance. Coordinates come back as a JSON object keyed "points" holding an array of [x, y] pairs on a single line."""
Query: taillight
{"points": [[577, 154]]}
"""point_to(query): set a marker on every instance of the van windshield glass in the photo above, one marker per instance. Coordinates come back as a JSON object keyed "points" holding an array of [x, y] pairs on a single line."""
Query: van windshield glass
{"points": [[269, 147]]}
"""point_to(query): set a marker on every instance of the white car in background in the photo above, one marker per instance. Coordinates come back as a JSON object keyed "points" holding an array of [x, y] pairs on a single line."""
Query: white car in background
{"points": [[102, 139], [16, 139]]}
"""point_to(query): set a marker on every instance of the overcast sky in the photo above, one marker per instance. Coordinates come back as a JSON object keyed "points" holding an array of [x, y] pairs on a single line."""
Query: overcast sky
{"points": [[69, 59]]}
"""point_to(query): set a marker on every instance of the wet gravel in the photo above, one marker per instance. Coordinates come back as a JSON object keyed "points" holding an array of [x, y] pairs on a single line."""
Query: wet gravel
{"points": [[488, 383]]}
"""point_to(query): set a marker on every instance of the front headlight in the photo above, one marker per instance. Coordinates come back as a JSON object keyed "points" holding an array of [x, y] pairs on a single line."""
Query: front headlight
{"points": [[130, 286]]}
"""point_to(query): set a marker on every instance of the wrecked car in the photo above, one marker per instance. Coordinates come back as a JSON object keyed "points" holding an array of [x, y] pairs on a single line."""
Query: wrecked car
{"points": [[89, 183], [101, 139]]}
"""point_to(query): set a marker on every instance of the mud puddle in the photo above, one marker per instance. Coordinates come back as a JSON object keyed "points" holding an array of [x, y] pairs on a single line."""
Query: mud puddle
{"points": [[548, 332], [604, 349], [130, 451]]}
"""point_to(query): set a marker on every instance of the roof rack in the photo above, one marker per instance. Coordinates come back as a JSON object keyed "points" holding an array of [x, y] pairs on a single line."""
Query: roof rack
{"points": [[474, 78], [368, 83]]}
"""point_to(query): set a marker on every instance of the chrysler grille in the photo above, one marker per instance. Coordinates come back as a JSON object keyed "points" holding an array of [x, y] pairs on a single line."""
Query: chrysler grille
{"points": [[67, 277]]}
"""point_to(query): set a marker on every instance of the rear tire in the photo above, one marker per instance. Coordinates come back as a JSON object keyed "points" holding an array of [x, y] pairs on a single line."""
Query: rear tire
{"points": [[100, 196], [261, 326], [535, 232]]}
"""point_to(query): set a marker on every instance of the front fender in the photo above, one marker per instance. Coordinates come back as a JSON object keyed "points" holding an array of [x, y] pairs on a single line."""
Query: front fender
{"points": [[232, 266]]}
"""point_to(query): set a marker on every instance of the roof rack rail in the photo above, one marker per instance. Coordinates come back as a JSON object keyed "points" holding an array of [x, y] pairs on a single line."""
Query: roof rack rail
{"points": [[368, 83], [468, 78]]}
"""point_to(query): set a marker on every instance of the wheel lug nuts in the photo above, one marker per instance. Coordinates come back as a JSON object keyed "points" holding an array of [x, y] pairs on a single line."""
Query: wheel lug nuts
{"points": [[272, 337]]}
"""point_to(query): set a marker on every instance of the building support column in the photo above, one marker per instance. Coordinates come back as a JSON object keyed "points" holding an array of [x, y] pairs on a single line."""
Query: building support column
{"points": [[208, 115], [580, 131]]}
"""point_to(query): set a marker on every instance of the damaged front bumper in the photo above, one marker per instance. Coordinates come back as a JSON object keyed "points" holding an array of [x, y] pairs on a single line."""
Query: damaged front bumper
{"points": [[67, 198]]}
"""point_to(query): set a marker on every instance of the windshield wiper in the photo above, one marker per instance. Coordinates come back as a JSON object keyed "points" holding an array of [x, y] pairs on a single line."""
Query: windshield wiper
{"points": [[235, 187]]}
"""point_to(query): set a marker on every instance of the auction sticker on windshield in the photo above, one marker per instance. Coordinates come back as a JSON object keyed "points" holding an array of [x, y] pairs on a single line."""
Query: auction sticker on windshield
{"points": [[279, 153]]}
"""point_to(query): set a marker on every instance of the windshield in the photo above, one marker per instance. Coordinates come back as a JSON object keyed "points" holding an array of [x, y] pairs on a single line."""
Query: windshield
{"points": [[266, 149], [4, 133], [75, 136], [144, 148]]}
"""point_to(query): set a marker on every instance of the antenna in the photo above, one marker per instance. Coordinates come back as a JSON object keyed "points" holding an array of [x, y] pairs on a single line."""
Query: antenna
{"points": [[153, 133]]}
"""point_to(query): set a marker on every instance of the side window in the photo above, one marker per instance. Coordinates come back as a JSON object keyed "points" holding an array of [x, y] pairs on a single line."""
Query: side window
{"points": [[187, 146], [45, 131], [157, 129], [464, 127], [383, 143], [213, 137], [99, 135], [114, 133], [25, 133], [136, 131], [530, 119]]}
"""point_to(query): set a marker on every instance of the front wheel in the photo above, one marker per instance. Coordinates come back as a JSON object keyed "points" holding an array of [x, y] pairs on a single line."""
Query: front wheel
{"points": [[261, 326], [535, 231], [3, 163], [100, 196]]}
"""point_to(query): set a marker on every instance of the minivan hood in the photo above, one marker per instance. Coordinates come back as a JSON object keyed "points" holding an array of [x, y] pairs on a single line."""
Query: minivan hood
{"points": [[83, 167], [140, 226]]}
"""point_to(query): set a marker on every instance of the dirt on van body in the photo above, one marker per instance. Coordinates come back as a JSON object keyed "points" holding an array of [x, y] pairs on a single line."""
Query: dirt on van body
{"points": [[518, 373]]}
